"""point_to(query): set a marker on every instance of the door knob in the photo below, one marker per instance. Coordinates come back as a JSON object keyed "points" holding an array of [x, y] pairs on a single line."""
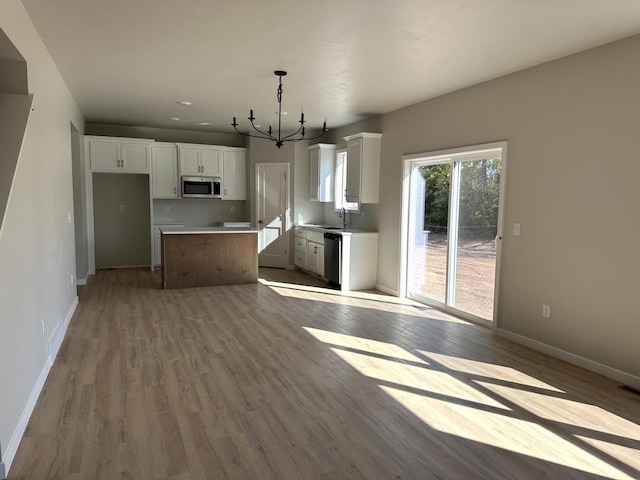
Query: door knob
{"points": [[260, 222]]}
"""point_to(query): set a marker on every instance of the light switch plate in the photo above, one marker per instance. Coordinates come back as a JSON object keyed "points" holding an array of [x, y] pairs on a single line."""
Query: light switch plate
{"points": [[516, 229]]}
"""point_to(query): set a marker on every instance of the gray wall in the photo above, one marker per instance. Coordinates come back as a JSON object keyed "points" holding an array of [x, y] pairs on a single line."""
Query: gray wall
{"points": [[571, 181], [121, 238], [199, 212], [13, 68], [37, 255]]}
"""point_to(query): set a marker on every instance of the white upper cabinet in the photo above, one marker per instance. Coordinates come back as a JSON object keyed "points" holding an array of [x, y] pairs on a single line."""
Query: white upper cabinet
{"points": [[199, 160], [363, 167], [189, 161], [321, 170], [164, 165], [234, 174], [210, 161], [118, 155]]}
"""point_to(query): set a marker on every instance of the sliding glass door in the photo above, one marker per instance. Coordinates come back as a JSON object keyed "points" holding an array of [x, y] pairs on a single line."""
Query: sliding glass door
{"points": [[454, 207]]}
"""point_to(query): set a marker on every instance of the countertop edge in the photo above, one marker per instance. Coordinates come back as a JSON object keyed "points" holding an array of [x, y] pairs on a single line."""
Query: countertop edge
{"points": [[346, 232], [186, 231]]}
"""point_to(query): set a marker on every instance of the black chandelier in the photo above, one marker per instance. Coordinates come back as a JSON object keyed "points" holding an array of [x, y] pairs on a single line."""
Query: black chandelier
{"points": [[268, 135]]}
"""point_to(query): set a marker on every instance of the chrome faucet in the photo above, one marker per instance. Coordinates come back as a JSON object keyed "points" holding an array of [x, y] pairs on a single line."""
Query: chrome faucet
{"points": [[343, 216]]}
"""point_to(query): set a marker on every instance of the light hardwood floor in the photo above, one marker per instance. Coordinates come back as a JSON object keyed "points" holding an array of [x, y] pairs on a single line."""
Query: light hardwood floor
{"points": [[287, 381]]}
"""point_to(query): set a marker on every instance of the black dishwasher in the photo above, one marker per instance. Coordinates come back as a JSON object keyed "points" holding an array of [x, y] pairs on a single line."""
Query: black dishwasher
{"points": [[333, 258]]}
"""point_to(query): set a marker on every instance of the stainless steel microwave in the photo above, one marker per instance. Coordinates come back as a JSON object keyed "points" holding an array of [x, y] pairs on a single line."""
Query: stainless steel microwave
{"points": [[201, 187]]}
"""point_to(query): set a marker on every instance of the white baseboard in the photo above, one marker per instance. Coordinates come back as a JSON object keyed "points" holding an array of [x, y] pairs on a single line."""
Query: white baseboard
{"points": [[55, 341], [12, 447], [387, 290], [623, 377], [52, 351], [81, 281]]}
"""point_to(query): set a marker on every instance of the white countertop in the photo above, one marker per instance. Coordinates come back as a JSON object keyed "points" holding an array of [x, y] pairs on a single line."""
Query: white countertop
{"points": [[334, 229], [192, 230]]}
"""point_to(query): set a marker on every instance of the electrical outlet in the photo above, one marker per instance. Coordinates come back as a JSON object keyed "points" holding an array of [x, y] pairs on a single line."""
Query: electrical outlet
{"points": [[232, 209], [42, 322], [362, 215], [546, 311], [516, 229], [167, 209], [122, 208], [72, 279]]}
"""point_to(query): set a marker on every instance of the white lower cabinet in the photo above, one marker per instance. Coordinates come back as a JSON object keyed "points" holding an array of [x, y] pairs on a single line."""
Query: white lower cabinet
{"points": [[301, 249], [359, 256], [309, 254], [315, 258]]}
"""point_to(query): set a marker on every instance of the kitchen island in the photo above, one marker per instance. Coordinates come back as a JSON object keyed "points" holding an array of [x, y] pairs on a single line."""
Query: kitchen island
{"points": [[208, 256]]}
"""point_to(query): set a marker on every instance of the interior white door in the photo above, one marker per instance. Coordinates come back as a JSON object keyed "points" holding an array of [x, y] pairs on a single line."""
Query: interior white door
{"points": [[272, 209]]}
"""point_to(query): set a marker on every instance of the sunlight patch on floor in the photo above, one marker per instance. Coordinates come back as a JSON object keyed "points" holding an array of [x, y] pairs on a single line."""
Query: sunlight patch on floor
{"points": [[427, 381], [364, 344], [624, 453], [565, 410], [499, 372], [463, 401], [502, 431], [374, 301]]}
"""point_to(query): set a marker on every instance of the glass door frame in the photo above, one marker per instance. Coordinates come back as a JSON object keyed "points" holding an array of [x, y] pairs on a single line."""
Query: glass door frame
{"points": [[408, 216]]}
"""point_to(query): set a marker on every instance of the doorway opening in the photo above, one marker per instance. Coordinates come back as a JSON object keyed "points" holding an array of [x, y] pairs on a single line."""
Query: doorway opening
{"points": [[452, 210]]}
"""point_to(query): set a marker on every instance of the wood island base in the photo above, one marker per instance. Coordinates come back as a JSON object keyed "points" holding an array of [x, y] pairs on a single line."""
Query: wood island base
{"points": [[209, 259]]}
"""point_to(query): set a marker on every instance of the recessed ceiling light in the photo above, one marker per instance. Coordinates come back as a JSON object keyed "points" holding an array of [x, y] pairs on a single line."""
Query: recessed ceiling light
{"points": [[184, 102], [205, 123], [174, 119]]}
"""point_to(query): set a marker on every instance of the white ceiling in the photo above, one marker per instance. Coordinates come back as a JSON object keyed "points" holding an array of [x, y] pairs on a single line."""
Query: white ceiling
{"points": [[130, 61]]}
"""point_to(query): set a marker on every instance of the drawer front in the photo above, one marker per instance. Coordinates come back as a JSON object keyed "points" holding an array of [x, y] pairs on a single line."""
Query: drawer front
{"points": [[301, 244], [301, 232], [301, 260], [314, 236]]}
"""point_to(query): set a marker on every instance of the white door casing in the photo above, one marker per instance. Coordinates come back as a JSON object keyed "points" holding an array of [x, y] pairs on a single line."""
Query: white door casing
{"points": [[273, 214]]}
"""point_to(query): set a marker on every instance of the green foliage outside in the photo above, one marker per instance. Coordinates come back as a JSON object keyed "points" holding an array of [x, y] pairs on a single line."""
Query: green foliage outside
{"points": [[479, 196]]}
